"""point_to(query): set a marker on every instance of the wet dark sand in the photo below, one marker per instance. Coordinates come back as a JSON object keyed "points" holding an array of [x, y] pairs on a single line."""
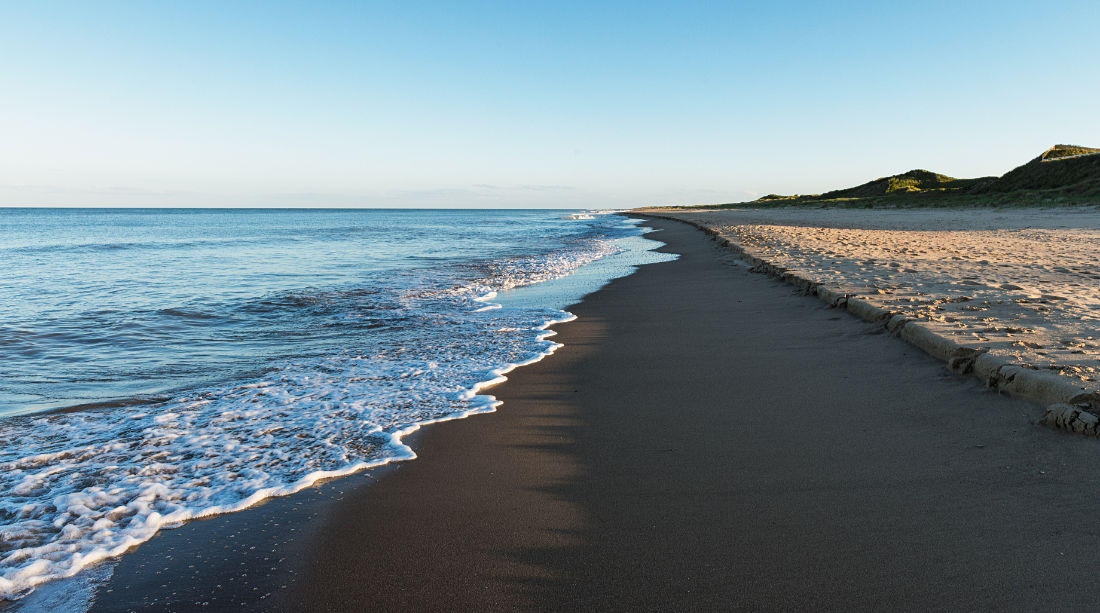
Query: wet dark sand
{"points": [[705, 440]]}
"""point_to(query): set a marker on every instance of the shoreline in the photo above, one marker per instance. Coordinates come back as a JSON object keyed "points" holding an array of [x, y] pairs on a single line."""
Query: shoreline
{"points": [[512, 338], [88, 577], [1071, 404], [663, 458]]}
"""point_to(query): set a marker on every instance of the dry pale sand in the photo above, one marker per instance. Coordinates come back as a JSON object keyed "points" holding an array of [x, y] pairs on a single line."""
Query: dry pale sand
{"points": [[1023, 284]]}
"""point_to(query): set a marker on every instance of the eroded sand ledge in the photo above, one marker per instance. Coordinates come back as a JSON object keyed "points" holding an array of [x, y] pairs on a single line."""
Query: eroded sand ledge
{"points": [[1009, 295]]}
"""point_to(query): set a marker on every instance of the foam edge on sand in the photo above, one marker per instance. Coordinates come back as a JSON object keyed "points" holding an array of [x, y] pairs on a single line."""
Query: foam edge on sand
{"points": [[1070, 406]]}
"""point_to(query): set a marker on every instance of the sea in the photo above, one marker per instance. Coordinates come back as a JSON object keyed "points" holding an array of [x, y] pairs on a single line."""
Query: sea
{"points": [[158, 365]]}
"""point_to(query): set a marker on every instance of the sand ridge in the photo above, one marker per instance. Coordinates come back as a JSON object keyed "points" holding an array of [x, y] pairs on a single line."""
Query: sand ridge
{"points": [[1020, 284]]}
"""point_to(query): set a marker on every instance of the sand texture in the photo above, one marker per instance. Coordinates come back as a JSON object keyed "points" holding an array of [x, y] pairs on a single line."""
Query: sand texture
{"points": [[1020, 284]]}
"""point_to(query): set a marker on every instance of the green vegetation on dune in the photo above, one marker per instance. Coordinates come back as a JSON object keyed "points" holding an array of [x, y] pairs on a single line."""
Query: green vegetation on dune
{"points": [[1064, 175], [912, 181], [1061, 151]]}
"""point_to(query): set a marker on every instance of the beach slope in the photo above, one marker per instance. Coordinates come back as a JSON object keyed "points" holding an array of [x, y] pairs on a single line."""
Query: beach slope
{"points": [[707, 439]]}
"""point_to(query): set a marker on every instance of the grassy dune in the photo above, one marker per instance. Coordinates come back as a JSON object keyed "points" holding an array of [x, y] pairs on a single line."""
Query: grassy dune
{"points": [[1061, 151], [1064, 175]]}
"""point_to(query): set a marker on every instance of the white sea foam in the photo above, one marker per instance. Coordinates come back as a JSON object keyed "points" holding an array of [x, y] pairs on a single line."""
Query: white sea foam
{"points": [[85, 486]]}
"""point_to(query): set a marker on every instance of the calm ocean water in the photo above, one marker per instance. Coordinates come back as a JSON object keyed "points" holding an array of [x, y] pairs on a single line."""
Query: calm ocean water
{"points": [[219, 357]]}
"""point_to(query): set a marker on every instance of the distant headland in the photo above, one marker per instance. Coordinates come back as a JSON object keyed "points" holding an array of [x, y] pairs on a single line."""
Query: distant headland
{"points": [[1062, 175]]}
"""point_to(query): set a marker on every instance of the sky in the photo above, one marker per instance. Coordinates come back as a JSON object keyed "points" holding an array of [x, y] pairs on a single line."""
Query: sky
{"points": [[527, 104]]}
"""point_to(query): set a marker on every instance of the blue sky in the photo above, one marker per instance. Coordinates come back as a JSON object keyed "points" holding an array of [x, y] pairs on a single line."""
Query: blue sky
{"points": [[528, 104]]}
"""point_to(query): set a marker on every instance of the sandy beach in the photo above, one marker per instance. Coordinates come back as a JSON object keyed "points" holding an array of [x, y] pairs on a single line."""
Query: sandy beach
{"points": [[1021, 284], [566, 307], [706, 439]]}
